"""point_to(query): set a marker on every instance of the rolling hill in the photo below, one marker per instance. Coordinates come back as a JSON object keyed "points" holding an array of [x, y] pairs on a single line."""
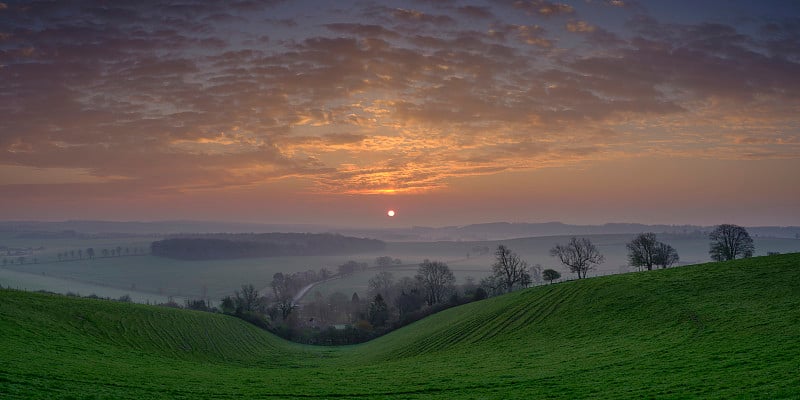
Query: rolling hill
{"points": [[717, 330]]}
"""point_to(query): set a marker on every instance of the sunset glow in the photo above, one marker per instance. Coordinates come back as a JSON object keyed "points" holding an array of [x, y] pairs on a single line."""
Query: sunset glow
{"points": [[466, 111]]}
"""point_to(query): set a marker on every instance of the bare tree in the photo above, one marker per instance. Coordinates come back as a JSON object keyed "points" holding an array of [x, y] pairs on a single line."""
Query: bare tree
{"points": [[642, 251], [729, 242], [247, 299], [381, 283], [436, 280], [579, 255], [284, 290], [666, 256], [509, 269]]}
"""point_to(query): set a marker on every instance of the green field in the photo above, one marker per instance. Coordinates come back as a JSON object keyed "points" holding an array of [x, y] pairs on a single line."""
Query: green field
{"points": [[719, 330]]}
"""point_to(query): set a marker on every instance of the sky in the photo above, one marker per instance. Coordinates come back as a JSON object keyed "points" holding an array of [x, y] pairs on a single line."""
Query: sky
{"points": [[449, 112]]}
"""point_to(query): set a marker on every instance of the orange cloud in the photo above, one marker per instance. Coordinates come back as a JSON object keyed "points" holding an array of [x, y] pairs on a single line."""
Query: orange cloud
{"points": [[381, 100], [580, 26]]}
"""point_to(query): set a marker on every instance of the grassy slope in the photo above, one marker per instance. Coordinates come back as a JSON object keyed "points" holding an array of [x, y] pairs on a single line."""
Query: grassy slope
{"points": [[714, 330]]}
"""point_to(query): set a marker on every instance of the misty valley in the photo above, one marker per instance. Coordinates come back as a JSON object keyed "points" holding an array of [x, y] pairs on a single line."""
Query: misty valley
{"points": [[316, 288]]}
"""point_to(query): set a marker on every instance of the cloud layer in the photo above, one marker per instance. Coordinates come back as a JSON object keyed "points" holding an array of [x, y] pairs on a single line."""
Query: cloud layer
{"points": [[364, 98]]}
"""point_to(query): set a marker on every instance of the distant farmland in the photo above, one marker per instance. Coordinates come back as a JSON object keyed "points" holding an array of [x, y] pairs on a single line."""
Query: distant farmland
{"points": [[151, 278]]}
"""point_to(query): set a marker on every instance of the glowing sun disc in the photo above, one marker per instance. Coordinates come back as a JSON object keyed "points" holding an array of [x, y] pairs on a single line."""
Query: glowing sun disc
{"points": [[390, 213]]}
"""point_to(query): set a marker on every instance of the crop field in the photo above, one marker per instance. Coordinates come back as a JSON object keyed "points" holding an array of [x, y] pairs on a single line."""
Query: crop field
{"points": [[717, 330], [164, 276], [155, 279], [32, 282]]}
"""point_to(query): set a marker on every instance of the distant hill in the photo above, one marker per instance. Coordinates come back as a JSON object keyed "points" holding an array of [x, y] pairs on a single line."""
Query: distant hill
{"points": [[717, 330], [507, 230], [475, 232], [153, 227]]}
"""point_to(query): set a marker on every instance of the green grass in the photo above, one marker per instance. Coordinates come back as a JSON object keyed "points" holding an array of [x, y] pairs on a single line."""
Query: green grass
{"points": [[718, 330]]}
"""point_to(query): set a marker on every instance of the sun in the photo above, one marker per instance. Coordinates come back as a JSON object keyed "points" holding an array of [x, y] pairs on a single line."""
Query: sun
{"points": [[390, 213]]}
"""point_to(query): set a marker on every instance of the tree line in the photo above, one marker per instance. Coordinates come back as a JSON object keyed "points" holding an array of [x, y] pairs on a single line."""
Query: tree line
{"points": [[390, 303], [727, 242], [79, 254], [347, 319], [645, 251], [91, 253]]}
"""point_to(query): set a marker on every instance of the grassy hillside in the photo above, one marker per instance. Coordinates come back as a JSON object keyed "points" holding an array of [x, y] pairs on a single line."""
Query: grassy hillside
{"points": [[713, 330]]}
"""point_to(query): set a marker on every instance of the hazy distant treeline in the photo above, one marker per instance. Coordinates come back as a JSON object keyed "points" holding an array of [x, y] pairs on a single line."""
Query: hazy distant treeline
{"points": [[228, 246], [474, 232]]}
